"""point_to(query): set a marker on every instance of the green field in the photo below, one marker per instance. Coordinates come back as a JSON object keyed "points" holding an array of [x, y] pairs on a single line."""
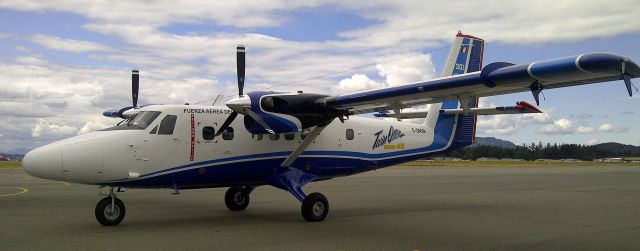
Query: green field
{"points": [[10, 164], [438, 163]]}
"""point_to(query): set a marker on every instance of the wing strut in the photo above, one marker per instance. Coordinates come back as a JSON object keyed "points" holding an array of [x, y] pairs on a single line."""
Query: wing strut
{"points": [[303, 146]]}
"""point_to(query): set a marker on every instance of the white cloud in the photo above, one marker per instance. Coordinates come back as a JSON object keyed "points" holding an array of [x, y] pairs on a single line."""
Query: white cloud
{"points": [[357, 82], [400, 72], [24, 109], [418, 20], [509, 124], [584, 129], [21, 48], [97, 124], [566, 126], [69, 45], [413, 69], [32, 60], [593, 142], [45, 129], [611, 128]]}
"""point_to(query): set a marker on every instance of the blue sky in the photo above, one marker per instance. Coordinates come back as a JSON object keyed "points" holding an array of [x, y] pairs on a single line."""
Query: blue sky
{"points": [[63, 63]]}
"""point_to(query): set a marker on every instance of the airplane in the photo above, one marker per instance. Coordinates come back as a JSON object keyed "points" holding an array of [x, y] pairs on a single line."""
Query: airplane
{"points": [[288, 139]]}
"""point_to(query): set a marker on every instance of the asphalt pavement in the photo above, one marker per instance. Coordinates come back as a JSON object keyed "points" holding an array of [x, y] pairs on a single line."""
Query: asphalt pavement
{"points": [[399, 208]]}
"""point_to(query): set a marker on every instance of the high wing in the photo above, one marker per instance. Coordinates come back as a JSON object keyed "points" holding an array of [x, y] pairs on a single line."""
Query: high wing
{"points": [[464, 81], [494, 79]]}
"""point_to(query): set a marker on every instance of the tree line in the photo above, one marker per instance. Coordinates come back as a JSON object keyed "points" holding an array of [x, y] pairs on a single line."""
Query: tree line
{"points": [[538, 151]]}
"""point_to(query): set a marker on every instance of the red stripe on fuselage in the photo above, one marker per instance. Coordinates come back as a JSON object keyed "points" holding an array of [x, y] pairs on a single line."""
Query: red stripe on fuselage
{"points": [[193, 136]]}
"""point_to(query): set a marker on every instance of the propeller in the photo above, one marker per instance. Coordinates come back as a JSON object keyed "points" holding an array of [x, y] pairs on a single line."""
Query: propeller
{"points": [[135, 85], [240, 58], [240, 65]]}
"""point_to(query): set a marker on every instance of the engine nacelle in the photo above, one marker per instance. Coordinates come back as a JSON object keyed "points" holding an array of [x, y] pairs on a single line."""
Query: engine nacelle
{"points": [[280, 123], [287, 112]]}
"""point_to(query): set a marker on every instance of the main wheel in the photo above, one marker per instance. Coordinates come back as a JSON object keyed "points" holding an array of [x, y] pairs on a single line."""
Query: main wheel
{"points": [[108, 217], [315, 207], [236, 199]]}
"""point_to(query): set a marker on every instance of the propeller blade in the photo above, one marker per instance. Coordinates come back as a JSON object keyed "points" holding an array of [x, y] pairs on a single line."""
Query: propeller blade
{"points": [[258, 119], [240, 68], [227, 122], [135, 85]]}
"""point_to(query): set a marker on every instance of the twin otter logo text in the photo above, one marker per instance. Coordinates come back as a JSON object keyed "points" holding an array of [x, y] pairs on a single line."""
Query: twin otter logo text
{"points": [[385, 139]]}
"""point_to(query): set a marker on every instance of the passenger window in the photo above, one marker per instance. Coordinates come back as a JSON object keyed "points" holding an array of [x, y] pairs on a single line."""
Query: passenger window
{"points": [[289, 136], [257, 136], [350, 134], [274, 136], [155, 129], [208, 133], [167, 124], [228, 134]]}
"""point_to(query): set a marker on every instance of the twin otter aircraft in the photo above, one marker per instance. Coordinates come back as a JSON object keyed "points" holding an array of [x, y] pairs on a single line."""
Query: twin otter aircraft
{"points": [[287, 140]]}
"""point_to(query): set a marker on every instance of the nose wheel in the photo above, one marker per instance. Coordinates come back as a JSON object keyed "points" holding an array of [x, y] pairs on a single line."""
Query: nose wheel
{"points": [[237, 198], [110, 211]]}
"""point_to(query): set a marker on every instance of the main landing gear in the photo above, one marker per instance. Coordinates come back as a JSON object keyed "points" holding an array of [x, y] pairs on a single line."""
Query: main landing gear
{"points": [[110, 211], [315, 206]]}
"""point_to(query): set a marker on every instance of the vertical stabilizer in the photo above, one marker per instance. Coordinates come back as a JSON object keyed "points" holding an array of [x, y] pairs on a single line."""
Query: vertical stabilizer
{"points": [[465, 56]]}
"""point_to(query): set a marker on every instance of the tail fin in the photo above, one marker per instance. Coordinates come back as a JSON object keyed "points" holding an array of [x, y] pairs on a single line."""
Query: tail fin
{"points": [[465, 56]]}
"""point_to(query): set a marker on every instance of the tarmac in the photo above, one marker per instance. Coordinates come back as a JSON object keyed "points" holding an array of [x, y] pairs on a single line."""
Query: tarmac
{"points": [[398, 208]]}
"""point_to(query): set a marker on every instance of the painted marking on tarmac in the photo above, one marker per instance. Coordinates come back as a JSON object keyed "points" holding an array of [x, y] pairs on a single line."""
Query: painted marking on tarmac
{"points": [[22, 190]]}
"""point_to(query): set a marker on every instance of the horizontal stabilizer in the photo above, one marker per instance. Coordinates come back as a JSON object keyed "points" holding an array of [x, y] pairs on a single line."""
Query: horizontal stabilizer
{"points": [[520, 108]]}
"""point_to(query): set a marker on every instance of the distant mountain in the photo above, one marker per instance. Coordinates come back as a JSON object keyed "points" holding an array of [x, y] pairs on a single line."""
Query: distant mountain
{"points": [[618, 148], [615, 148], [12, 156], [491, 141]]}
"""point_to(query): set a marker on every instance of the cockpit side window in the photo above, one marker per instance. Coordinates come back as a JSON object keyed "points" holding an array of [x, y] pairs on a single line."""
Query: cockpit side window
{"points": [[167, 124], [143, 119]]}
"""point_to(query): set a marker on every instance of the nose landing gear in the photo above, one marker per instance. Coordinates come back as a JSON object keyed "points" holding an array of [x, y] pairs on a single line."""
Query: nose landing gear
{"points": [[237, 198], [110, 211]]}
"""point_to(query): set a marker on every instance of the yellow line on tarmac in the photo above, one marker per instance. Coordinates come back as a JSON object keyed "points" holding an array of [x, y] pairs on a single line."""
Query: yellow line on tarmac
{"points": [[23, 190]]}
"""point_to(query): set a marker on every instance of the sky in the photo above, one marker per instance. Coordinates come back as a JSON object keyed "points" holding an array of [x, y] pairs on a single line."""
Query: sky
{"points": [[62, 63]]}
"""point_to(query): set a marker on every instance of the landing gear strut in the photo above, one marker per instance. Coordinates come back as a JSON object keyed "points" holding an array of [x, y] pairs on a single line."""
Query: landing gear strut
{"points": [[110, 211], [237, 198]]}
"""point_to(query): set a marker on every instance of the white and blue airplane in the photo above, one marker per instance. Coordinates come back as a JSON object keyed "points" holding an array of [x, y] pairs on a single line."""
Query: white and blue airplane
{"points": [[287, 140]]}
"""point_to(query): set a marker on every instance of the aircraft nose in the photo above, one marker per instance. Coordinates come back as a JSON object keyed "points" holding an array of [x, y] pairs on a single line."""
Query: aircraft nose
{"points": [[44, 162]]}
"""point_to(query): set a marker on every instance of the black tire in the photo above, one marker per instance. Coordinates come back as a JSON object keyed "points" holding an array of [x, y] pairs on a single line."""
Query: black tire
{"points": [[315, 207], [104, 214], [236, 199]]}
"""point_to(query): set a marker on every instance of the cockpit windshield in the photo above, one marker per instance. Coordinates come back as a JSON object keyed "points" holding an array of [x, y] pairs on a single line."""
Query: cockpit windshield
{"points": [[139, 121]]}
